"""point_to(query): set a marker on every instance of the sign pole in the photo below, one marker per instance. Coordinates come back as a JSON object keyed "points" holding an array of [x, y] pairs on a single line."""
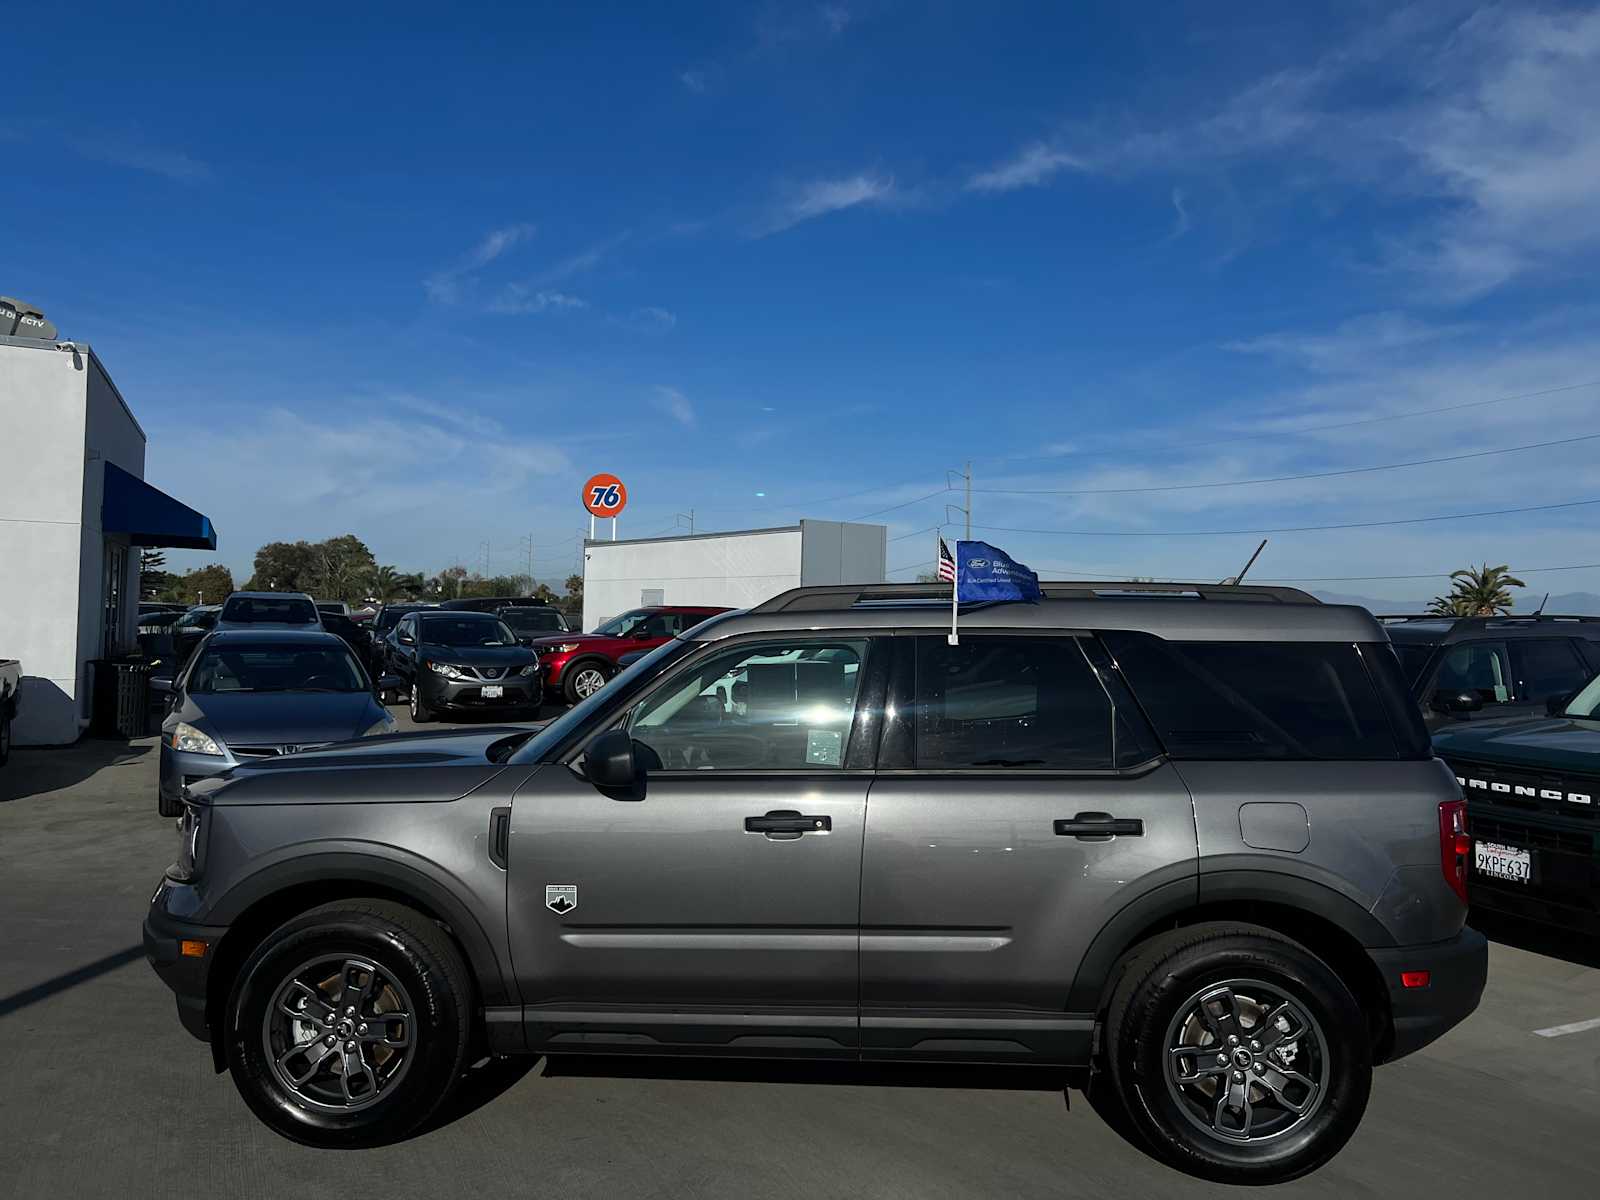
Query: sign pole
{"points": [[954, 637], [613, 529], [591, 527]]}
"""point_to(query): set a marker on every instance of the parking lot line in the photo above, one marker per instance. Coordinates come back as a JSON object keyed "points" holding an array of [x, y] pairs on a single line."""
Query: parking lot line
{"points": [[1563, 1030]]}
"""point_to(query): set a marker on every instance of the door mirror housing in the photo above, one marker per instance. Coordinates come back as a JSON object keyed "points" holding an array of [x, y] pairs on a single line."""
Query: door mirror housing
{"points": [[642, 635], [405, 639], [1457, 703], [610, 762]]}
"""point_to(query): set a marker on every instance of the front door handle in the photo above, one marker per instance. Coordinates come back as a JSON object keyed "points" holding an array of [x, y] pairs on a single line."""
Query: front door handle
{"points": [[786, 823], [1099, 827]]}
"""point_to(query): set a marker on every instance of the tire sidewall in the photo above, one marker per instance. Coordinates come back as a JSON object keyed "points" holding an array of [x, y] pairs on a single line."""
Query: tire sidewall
{"points": [[570, 683], [436, 1026], [1141, 1054]]}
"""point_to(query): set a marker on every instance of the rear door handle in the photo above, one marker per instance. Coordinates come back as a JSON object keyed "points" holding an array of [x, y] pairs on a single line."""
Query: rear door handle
{"points": [[787, 823], [1099, 827]]}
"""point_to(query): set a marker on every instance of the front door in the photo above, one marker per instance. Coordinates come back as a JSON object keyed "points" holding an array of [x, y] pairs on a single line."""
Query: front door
{"points": [[718, 907], [1018, 806]]}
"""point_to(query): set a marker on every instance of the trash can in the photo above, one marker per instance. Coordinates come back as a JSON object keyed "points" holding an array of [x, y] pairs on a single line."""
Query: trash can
{"points": [[133, 698]]}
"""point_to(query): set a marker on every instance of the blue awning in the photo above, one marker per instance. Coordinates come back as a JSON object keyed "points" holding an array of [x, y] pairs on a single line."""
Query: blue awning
{"points": [[149, 516]]}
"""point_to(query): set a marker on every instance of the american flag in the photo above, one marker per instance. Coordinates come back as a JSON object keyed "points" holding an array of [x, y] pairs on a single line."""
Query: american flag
{"points": [[947, 564]]}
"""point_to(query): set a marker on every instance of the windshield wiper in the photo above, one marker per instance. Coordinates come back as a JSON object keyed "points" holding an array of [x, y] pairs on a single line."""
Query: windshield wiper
{"points": [[1009, 762]]}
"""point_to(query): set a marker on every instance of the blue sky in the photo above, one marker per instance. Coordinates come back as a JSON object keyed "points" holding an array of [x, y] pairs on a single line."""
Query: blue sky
{"points": [[416, 275]]}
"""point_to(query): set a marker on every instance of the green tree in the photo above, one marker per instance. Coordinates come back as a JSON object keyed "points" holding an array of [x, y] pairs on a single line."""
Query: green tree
{"points": [[574, 587], [154, 579], [282, 567], [386, 584], [204, 585], [1478, 592]]}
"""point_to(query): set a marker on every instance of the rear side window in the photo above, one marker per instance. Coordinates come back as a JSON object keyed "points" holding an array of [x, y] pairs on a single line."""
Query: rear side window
{"points": [[1009, 702], [1413, 658], [1257, 700]]}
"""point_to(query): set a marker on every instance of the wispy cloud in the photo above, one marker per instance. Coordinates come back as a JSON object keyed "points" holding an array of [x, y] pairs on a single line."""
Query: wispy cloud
{"points": [[823, 196], [139, 155], [517, 300], [1355, 345], [448, 285], [651, 319], [1180, 223], [674, 403], [694, 80], [577, 264], [835, 18], [1030, 167]]}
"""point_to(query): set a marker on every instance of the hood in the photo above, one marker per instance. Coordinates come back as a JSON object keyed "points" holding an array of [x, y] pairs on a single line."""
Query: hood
{"points": [[273, 718], [394, 769], [1550, 743], [589, 641], [478, 656]]}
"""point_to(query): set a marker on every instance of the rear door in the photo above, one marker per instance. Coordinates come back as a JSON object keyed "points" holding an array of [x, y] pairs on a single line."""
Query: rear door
{"points": [[1482, 668], [717, 909], [1019, 804]]}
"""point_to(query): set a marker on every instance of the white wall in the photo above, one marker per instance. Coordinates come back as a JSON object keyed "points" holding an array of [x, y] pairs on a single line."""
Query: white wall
{"points": [[56, 408], [843, 552], [730, 570]]}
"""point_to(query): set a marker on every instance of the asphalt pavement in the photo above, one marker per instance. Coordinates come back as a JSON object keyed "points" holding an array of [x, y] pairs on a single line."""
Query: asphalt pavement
{"points": [[103, 1094]]}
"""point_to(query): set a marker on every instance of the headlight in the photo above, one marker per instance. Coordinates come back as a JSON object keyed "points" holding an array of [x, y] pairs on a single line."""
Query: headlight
{"points": [[445, 669], [564, 648], [531, 669], [191, 741], [191, 844], [379, 728]]}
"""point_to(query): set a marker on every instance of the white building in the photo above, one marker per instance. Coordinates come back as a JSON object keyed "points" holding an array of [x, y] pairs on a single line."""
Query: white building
{"points": [[74, 508], [734, 570]]}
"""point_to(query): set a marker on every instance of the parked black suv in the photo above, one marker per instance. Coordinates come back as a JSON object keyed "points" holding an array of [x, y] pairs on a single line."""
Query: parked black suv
{"points": [[1191, 845], [1462, 668]]}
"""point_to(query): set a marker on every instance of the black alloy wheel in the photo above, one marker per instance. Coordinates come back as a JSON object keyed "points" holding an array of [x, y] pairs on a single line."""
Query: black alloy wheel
{"points": [[349, 1024]]}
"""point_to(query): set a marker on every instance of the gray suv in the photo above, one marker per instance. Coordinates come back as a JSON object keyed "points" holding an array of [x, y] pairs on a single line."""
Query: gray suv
{"points": [[1189, 843]]}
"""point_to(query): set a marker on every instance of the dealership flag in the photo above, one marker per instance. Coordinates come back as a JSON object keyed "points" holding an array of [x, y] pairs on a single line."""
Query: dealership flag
{"points": [[947, 564], [985, 573]]}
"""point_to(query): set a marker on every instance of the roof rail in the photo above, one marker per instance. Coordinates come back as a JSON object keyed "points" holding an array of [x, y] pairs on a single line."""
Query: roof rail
{"points": [[1497, 619], [837, 596]]}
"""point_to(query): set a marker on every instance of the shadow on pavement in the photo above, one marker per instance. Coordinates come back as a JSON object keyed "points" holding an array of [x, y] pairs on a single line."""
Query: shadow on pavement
{"points": [[481, 1085], [70, 979], [33, 771], [1550, 940]]}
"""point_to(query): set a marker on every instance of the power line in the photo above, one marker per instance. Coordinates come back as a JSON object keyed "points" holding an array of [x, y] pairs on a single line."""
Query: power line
{"points": [[1496, 512], [1432, 575], [896, 507], [1188, 487]]}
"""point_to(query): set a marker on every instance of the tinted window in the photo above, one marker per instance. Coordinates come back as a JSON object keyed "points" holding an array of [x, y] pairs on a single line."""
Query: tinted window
{"points": [[1547, 667], [1591, 654], [1413, 658], [270, 610], [997, 702], [533, 620], [774, 706], [464, 630], [1250, 700], [622, 625], [236, 668], [1478, 667]]}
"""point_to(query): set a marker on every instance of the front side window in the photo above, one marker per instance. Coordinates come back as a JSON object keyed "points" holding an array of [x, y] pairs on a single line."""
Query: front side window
{"points": [[1257, 700], [234, 668], [1547, 667], [622, 626], [1009, 702], [776, 706], [1478, 667]]}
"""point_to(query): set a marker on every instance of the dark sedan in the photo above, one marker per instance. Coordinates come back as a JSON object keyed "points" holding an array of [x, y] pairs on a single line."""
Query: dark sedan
{"points": [[251, 694], [460, 661]]}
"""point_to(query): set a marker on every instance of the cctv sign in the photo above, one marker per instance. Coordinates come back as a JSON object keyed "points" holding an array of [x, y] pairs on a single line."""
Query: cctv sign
{"points": [[604, 495]]}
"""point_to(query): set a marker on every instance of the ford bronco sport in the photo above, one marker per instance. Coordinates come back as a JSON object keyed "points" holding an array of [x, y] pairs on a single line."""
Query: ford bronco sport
{"points": [[1188, 842]]}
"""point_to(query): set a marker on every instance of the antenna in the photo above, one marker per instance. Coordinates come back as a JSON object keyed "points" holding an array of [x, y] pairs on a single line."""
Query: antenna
{"points": [[1236, 579], [1540, 610]]}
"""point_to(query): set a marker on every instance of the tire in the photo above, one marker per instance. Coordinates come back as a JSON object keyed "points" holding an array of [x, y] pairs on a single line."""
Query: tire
{"points": [[398, 961], [166, 805], [421, 714], [576, 678], [1302, 1062]]}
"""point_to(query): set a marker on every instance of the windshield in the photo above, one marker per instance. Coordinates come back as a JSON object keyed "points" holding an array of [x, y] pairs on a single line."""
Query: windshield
{"points": [[620, 687], [1413, 658], [533, 620], [237, 668], [201, 619], [464, 631], [624, 625], [1586, 704], [269, 610]]}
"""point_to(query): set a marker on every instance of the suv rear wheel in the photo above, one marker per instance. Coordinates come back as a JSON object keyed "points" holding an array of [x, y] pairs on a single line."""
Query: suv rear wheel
{"points": [[348, 1025], [1237, 1054]]}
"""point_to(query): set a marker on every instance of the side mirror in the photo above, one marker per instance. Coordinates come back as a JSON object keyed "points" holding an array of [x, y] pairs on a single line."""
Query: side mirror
{"points": [[1457, 703], [1556, 706], [609, 762], [405, 639], [161, 685], [643, 635]]}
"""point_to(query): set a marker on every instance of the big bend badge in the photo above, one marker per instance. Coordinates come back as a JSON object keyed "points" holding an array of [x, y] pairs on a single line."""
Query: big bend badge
{"points": [[561, 897]]}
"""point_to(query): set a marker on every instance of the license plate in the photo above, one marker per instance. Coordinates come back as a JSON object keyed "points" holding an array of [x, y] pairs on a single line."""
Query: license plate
{"points": [[493, 691], [1503, 862]]}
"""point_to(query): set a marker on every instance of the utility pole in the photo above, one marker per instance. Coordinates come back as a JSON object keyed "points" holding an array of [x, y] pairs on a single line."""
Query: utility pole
{"points": [[688, 516], [969, 499], [964, 509]]}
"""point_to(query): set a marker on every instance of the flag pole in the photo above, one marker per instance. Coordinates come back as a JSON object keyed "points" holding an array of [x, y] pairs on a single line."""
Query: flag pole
{"points": [[954, 637]]}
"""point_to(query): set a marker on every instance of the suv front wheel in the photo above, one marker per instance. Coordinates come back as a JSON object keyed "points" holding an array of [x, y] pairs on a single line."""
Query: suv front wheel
{"points": [[1237, 1054], [349, 1024]]}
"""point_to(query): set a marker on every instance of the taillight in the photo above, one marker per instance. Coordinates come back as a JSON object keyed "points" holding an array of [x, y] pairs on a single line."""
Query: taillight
{"points": [[1455, 846]]}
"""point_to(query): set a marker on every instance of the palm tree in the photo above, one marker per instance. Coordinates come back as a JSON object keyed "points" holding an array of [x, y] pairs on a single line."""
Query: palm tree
{"points": [[386, 583], [1480, 591]]}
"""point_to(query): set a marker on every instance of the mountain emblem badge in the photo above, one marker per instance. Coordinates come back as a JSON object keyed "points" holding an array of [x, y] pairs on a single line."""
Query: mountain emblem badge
{"points": [[561, 897]]}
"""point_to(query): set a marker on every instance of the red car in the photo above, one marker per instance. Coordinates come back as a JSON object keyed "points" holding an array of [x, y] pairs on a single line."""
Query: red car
{"points": [[579, 664]]}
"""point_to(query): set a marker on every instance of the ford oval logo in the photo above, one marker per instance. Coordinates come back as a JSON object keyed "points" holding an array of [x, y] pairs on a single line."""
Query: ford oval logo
{"points": [[978, 564]]}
